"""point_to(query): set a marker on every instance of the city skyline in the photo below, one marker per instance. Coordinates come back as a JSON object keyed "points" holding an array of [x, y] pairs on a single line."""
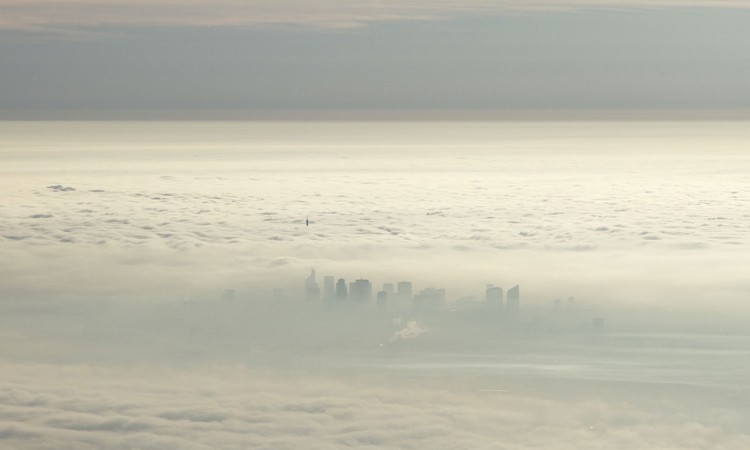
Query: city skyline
{"points": [[360, 291]]}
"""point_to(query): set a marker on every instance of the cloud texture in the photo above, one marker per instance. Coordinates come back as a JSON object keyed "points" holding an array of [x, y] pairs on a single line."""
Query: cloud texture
{"points": [[47, 406], [103, 215], [558, 208]]}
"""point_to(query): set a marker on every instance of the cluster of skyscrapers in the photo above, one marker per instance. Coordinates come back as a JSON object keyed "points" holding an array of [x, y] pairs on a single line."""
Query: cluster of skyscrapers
{"points": [[360, 292], [494, 297]]}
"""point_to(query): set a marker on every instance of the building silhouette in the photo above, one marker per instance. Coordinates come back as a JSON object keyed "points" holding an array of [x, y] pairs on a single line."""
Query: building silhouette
{"points": [[360, 290], [329, 291], [429, 298], [341, 292], [312, 290], [513, 303], [494, 297], [404, 290], [382, 301], [400, 297]]}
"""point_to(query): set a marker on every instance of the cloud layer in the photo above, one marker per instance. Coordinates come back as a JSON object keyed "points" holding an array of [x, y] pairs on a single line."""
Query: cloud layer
{"points": [[47, 406], [56, 14], [226, 204], [158, 211]]}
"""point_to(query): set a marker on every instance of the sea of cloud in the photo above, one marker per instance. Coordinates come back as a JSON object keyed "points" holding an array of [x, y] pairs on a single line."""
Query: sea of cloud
{"points": [[634, 212], [51, 406], [118, 238]]}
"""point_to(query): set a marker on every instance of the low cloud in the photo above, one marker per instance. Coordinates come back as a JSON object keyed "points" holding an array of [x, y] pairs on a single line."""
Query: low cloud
{"points": [[410, 331], [233, 407], [235, 217]]}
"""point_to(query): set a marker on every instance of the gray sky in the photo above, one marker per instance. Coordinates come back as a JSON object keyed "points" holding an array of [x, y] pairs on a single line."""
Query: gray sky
{"points": [[291, 59]]}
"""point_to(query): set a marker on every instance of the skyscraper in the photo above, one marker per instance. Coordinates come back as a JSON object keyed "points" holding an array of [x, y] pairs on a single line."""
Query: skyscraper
{"points": [[429, 298], [513, 304], [328, 288], [360, 290], [312, 290], [494, 297], [404, 290], [382, 301], [341, 292]]}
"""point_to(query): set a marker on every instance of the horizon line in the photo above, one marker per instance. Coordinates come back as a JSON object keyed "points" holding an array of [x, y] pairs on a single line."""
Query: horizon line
{"points": [[355, 115]]}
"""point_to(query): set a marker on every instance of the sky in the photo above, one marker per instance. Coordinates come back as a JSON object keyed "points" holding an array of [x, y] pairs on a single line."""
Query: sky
{"points": [[153, 59]]}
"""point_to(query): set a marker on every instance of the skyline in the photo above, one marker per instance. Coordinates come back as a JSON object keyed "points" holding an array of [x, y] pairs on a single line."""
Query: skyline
{"points": [[466, 61]]}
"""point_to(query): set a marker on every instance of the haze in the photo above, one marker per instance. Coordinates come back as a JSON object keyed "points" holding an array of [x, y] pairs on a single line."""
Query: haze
{"points": [[325, 225], [153, 284]]}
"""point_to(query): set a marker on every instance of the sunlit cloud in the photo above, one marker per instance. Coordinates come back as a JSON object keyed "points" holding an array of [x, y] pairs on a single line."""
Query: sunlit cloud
{"points": [[213, 223], [53, 15]]}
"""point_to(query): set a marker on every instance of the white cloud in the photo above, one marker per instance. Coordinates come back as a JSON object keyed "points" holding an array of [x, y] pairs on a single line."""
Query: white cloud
{"points": [[229, 407], [411, 330], [232, 215], [55, 14]]}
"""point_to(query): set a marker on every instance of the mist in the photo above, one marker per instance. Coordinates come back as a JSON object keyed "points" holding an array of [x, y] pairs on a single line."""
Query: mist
{"points": [[157, 290]]}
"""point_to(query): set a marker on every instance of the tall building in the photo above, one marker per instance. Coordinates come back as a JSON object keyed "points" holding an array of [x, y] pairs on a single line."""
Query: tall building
{"points": [[404, 290], [430, 298], [360, 290], [494, 297], [388, 289], [341, 293], [329, 291], [312, 290], [382, 301], [513, 303]]}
